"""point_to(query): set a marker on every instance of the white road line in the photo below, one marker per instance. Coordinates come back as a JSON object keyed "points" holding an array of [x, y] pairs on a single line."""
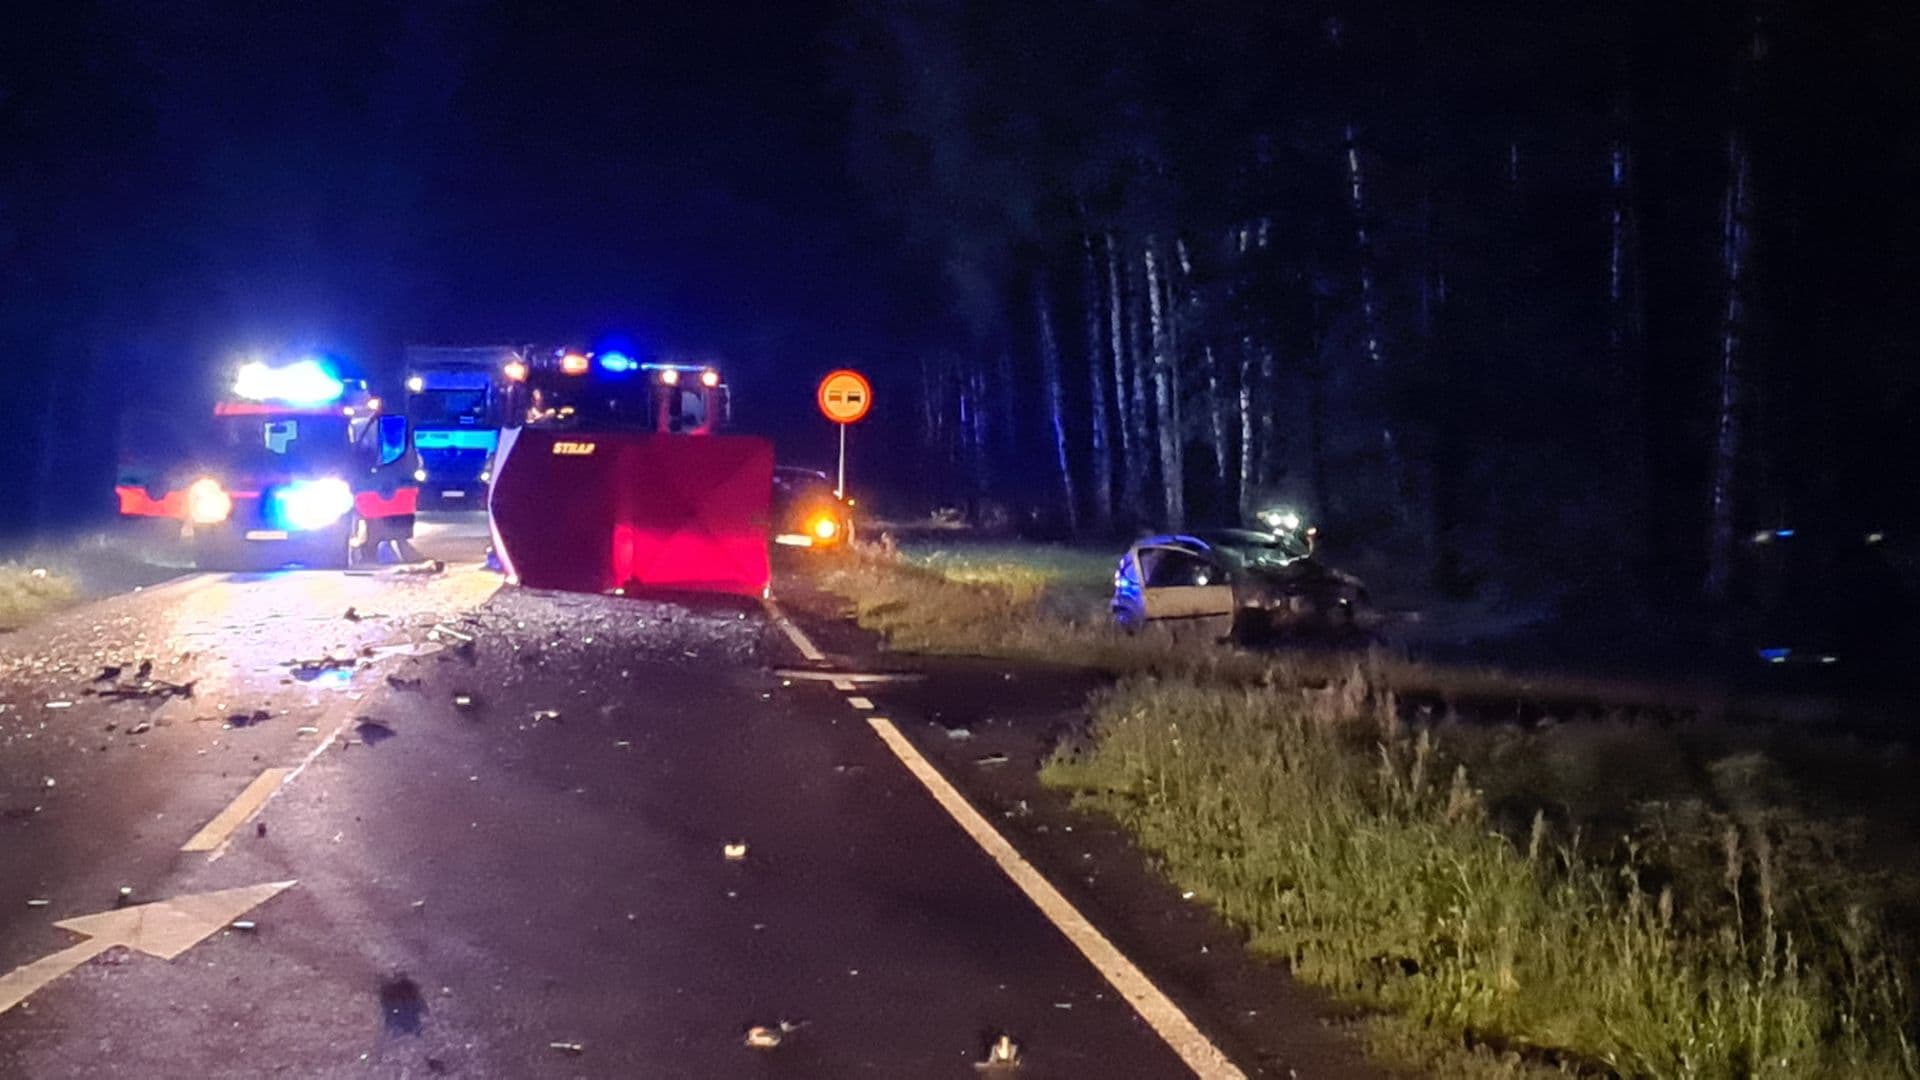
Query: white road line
{"points": [[290, 775], [1166, 1019], [238, 811], [806, 647], [1153, 1006], [845, 686], [860, 702]]}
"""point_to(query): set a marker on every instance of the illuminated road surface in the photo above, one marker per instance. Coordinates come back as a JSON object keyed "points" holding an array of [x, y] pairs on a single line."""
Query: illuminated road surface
{"points": [[508, 817]]}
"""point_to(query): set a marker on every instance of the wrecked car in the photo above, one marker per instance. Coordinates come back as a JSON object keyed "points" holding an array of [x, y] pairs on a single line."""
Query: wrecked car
{"points": [[1237, 584]]}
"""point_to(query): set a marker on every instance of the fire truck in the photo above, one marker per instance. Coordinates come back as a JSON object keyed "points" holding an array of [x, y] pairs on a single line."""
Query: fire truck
{"points": [[457, 400], [619, 478], [299, 466]]}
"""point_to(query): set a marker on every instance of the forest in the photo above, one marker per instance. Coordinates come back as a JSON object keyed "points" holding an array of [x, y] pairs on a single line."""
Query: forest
{"points": [[1522, 294]]}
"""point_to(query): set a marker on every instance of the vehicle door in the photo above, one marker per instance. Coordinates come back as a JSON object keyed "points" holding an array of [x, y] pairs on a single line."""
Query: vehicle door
{"points": [[1183, 586]]}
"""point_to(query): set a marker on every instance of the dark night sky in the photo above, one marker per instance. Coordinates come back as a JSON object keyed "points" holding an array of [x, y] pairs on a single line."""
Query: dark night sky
{"points": [[190, 182]]}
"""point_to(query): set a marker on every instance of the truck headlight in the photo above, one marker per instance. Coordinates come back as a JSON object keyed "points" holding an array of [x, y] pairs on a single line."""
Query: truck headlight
{"points": [[207, 502], [315, 504], [823, 527]]}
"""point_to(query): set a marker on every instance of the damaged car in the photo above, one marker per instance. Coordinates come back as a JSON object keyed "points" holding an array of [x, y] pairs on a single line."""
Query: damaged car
{"points": [[1236, 584]]}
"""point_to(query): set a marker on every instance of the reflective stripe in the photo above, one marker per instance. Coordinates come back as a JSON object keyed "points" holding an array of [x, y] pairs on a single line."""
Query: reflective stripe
{"points": [[372, 504], [135, 502]]}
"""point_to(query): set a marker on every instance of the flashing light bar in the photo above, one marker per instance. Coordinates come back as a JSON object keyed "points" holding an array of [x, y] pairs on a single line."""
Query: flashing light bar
{"points": [[709, 378], [618, 363], [574, 363], [515, 371], [305, 382], [670, 377]]}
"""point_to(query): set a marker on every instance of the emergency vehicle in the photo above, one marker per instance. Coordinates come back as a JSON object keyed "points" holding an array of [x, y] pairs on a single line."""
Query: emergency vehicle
{"points": [[620, 479], [457, 400], [300, 466]]}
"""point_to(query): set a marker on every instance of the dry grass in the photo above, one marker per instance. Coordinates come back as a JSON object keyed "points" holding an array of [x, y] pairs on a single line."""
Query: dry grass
{"points": [[1720, 937], [1610, 897], [27, 592]]}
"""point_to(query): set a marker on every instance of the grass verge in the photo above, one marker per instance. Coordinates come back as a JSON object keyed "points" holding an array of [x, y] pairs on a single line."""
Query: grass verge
{"points": [[1707, 939], [28, 592], [1606, 898]]}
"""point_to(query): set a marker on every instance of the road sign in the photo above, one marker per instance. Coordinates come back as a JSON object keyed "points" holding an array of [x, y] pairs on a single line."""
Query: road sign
{"points": [[845, 396], [164, 929]]}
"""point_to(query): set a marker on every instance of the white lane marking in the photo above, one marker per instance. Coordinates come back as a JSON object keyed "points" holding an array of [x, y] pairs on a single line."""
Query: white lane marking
{"points": [[800, 641], [164, 929], [845, 686], [860, 702], [239, 810], [1159, 1011], [347, 710], [1153, 1006]]}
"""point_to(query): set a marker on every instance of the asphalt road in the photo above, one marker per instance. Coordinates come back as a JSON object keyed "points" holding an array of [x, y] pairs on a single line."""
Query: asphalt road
{"points": [[508, 818]]}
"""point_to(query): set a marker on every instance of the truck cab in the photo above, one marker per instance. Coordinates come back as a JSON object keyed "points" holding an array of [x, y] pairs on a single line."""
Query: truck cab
{"points": [[457, 399]]}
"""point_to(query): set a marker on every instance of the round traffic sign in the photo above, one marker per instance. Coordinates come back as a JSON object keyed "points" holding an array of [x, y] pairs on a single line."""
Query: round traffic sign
{"points": [[845, 396]]}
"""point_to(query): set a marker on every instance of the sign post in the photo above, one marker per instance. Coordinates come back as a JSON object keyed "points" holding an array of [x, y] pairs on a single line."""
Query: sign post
{"points": [[844, 397]]}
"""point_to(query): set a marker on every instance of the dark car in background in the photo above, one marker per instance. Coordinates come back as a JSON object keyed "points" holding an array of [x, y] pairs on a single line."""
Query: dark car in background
{"points": [[807, 512], [1238, 584]]}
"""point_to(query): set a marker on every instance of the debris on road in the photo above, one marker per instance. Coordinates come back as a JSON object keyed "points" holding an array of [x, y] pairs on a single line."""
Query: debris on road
{"points": [[546, 714], [763, 1038], [464, 702], [401, 1006], [568, 1047], [241, 720], [242, 925], [140, 728], [1003, 1054], [372, 732], [309, 670], [442, 630], [399, 683], [735, 850], [959, 734], [108, 673], [59, 704], [991, 759], [38, 902], [126, 894], [144, 688]]}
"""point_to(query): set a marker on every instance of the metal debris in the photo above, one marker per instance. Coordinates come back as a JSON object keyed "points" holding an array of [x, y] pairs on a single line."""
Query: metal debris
{"points": [[243, 925], [59, 704], [568, 1047], [372, 732], [309, 670], [1004, 1053], [38, 902], [991, 759], [959, 734], [241, 720], [546, 714], [763, 1038], [735, 850], [464, 702], [140, 728], [144, 688]]}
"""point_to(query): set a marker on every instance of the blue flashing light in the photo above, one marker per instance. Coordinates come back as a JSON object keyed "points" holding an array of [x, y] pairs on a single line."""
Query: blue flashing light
{"points": [[305, 382], [308, 505], [618, 363], [1775, 656], [1784, 534]]}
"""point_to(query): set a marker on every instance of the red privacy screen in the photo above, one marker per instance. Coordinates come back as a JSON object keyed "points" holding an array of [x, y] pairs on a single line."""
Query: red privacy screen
{"points": [[596, 512]]}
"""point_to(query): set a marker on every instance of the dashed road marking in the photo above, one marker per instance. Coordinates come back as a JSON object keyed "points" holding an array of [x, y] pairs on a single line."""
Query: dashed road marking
{"points": [[845, 686], [1167, 1020], [779, 617], [238, 811]]}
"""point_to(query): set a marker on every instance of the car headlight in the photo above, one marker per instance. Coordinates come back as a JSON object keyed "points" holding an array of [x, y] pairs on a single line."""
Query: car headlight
{"points": [[315, 504], [207, 502], [823, 527]]}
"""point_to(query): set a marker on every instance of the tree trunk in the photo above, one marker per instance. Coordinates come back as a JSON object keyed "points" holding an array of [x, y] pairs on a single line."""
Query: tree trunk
{"points": [[1102, 454], [1056, 407], [1625, 336], [1217, 428], [1732, 391], [1125, 384], [1166, 408], [1138, 373], [1248, 464], [1363, 242]]}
